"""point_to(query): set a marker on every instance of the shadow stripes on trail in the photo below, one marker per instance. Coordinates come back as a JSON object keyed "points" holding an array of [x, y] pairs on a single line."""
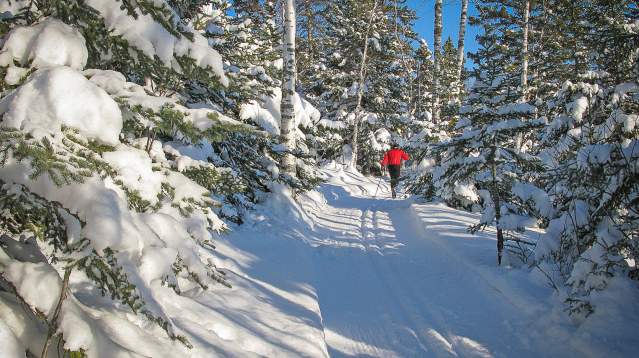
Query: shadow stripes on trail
{"points": [[393, 286]]}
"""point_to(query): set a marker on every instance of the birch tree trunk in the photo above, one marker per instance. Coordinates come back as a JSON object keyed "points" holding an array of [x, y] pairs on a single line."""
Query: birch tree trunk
{"points": [[360, 87], [287, 134], [437, 58], [463, 19]]}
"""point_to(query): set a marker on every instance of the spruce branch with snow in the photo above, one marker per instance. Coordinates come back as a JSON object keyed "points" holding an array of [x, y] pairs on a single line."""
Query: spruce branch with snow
{"points": [[86, 147]]}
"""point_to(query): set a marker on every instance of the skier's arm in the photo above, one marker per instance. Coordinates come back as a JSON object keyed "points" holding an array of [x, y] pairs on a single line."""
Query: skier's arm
{"points": [[405, 157], [384, 161]]}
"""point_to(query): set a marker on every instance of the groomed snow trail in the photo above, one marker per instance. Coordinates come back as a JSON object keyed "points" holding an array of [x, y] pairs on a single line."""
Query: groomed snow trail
{"points": [[399, 279], [341, 273]]}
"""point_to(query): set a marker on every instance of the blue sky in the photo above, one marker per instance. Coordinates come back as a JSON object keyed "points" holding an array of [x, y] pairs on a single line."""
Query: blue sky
{"points": [[451, 8]]}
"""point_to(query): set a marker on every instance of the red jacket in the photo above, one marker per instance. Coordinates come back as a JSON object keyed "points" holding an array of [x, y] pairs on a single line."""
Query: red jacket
{"points": [[394, 157]]}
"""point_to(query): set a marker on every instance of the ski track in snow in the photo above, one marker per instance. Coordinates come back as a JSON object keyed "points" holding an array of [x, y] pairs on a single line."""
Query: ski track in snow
{"points": [[345, 274], [399, 294]]}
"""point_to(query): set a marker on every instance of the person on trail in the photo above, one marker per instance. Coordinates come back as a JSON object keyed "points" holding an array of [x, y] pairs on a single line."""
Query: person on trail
{"points": [[393, 160]]}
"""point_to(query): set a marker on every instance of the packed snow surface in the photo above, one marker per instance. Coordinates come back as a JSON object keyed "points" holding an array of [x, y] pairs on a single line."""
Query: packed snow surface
{"points": [[343, 273]]}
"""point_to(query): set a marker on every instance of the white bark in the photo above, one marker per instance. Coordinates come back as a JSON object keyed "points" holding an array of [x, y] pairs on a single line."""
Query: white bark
{"points": [[287, 128], [360, 87], [463, 19], [437, 57]]}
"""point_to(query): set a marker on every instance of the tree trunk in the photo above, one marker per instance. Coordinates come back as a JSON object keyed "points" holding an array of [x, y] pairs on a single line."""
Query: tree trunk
{"points": [[53, 324], [360, 87], [524, 66], [539, 43], [407, 66], [500, 244], [437, 58], [463, 19], [500, 235], [494, 193], [287, 128], [310, 28], [418, 99], [524, 52]]}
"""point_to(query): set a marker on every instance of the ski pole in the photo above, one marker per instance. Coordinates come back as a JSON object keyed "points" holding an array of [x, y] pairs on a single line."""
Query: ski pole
{"points": [[378, 183]]}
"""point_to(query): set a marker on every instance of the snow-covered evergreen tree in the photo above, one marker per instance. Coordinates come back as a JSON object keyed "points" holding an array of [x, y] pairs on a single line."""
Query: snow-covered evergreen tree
{"points": [[591, 150], [248, 39], [437, 43], [247, 36], [311, 37], [388, 76], [448, 94], [483, 163], [96, 190], [423, 82]]}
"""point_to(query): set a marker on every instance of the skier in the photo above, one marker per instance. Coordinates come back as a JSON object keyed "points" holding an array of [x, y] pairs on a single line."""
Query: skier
{"points": [[393, 159]]}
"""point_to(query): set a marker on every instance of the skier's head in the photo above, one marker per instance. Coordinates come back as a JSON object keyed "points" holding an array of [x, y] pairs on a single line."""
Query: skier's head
{"points": [[394, 145]]}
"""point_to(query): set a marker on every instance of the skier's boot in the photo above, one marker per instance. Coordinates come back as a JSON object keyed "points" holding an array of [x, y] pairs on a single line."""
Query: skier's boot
{"points": [[393, 191]]}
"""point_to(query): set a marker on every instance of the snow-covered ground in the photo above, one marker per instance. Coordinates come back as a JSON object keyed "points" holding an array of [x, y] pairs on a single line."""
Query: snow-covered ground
{"points": [[342, 273]]}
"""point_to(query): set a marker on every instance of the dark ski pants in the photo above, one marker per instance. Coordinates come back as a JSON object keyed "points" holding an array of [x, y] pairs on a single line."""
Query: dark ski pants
{"points": [[393, 170]]}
